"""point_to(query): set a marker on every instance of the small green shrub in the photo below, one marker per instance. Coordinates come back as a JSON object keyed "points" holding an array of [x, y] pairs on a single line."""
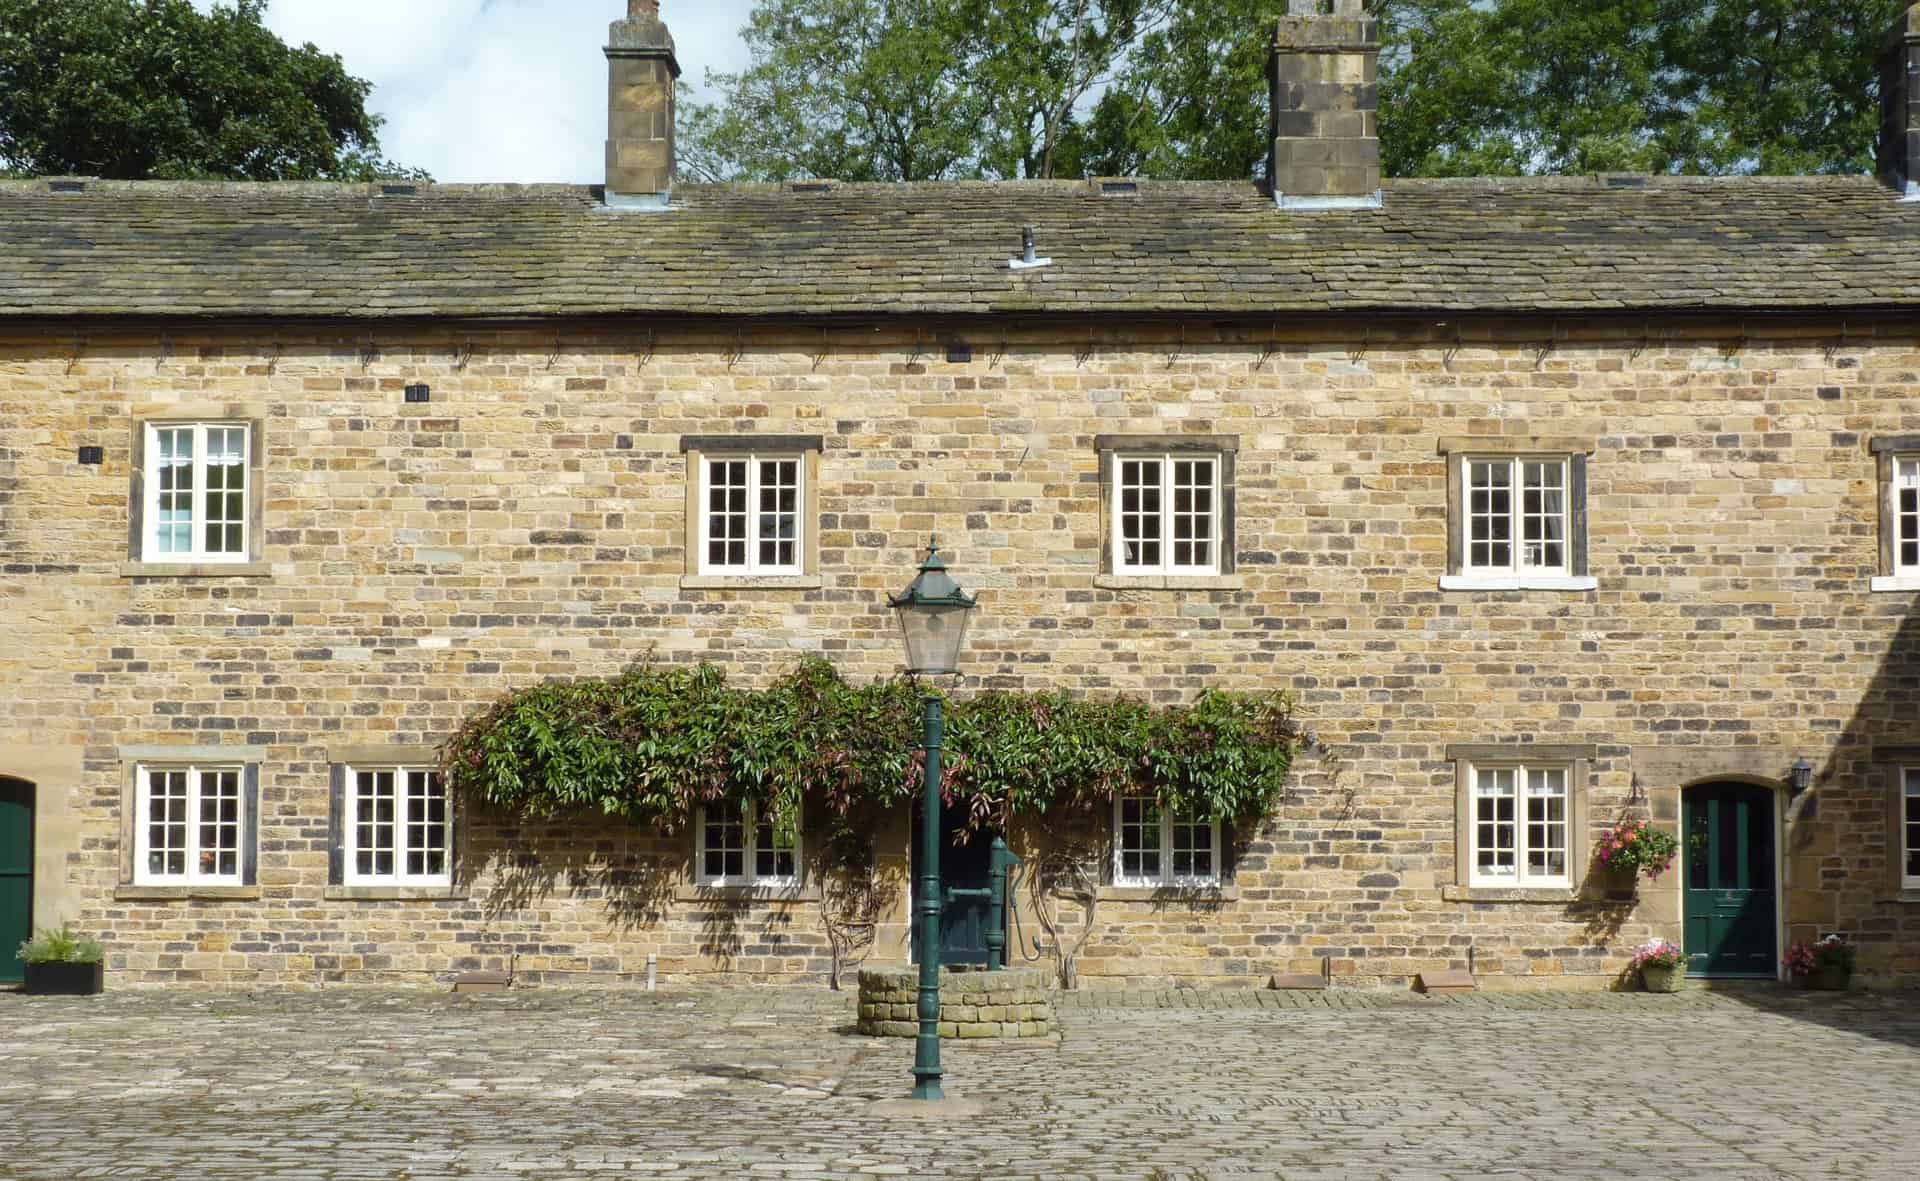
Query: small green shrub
{"points": [[61, 947]]}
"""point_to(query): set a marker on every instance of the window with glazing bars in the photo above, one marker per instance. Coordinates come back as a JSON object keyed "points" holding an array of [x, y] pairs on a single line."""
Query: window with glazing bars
{"points": [[189, 826], [742, 846], [1166, 514], [399, 828], [1153, 847], [751, 514], [196, 492], [1906, 514], [1516, 515], [1520, 826], [1910, 830]]}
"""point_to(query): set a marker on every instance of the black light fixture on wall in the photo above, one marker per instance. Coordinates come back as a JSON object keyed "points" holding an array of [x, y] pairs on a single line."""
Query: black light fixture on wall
{"points": [[92, 456], [1801, 779]]}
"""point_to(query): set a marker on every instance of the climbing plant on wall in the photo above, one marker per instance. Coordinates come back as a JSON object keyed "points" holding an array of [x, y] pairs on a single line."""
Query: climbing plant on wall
{"points": [[656, 742]]}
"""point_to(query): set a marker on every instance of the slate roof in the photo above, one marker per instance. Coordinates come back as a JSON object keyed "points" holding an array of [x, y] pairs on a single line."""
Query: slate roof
{"points": [[1550, 245]]}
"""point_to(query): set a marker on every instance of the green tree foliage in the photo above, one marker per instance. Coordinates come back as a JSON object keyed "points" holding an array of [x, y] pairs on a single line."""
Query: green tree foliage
{"points": [[134, 89], [909, 89], [656, 743], [1178, 89]]}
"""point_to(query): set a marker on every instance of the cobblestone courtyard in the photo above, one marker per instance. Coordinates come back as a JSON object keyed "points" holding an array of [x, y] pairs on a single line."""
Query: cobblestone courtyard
{"points": [[745, 1083]]}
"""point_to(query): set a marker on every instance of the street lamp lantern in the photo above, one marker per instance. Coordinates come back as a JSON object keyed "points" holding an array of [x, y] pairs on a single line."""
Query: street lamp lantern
{"points": [[933, 620], [933, 613], [1802, 776]]}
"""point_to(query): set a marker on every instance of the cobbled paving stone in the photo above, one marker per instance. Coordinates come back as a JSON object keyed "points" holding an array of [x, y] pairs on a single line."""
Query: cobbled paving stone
{"points": [[747, 1083]]}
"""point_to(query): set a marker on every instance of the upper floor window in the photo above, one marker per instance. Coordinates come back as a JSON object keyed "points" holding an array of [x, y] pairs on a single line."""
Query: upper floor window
{"points": [[1168, 507], [1899, 460], [751, 523], [750, 510], [1517, 519], [1910, 828], [197, 498], [1520, 831], [1154, 847], [191, 825], [742, 846], [399, 828]]}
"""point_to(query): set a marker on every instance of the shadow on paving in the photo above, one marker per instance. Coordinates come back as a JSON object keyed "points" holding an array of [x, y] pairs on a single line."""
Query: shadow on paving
{"points": [[1890, 1016]]}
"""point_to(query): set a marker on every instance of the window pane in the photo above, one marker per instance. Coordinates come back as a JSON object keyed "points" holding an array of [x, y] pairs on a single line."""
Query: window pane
{"points": [[1193, 850], [778, 522], [1193, 513], [373, 830], [1139, 838], [173, 477], [225, 510], [727, 513], [724, 842], [1547, 823], [166, 822], [1140, 535], [219, 834], [426, 831], [1543, 516], [1494, 830], [1907, 511], [1490, 515], [772, 856], [1912, 825]]}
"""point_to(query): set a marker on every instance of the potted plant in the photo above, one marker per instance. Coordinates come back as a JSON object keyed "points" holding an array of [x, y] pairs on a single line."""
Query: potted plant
{"points": [[1662, 965], [59, 964], [1826, 966], [1632, 848]]}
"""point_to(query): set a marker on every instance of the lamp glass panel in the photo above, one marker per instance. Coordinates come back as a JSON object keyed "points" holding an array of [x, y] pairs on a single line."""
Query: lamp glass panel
{"points": [[934, 635]]}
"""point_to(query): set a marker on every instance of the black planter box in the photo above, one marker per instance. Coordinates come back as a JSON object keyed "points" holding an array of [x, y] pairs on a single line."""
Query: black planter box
{"points": [[63, 979]]}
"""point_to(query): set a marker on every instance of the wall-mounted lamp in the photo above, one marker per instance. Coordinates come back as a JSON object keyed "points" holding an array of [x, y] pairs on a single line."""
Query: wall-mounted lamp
{"points": [[1639, 796], [419, 392], [1802, 777], [93, 456]]}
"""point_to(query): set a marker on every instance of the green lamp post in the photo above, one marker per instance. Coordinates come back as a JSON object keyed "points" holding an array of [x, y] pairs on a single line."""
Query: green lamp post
{"points": [[933, 613]]}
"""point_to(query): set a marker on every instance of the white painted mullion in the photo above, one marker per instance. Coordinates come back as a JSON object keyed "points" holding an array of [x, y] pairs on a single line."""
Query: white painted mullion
{"points": [[197, 503], [753, 521], [1166, 531]]}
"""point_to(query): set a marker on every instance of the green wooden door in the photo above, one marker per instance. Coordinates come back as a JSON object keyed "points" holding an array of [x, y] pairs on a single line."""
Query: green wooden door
{"points": [[16, 874], [1730, 917]]}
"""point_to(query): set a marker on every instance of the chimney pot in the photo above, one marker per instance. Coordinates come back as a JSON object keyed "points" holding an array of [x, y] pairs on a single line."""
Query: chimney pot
{"points": [[1325, 105], [639, 9]]}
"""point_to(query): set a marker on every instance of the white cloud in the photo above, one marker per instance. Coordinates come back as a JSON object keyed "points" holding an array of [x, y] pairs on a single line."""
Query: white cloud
{"points": [[497, 90]]}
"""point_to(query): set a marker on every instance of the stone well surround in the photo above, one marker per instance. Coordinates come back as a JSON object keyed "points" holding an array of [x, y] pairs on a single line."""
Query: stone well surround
{"points": [[1014, 1003], [530, 522]]}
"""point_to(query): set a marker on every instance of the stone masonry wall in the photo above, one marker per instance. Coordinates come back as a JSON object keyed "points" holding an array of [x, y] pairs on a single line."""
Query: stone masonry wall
{"points": [[530, 522]]}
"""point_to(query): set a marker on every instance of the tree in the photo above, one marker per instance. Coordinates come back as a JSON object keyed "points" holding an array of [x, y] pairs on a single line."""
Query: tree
{"points": [[909, 89], [1178, 88], [153, 88]]}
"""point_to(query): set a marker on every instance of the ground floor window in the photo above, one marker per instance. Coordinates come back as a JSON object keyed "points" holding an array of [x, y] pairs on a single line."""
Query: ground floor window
{"points": [[740, 845], [1910, 829], [1154, 847], [190, 825], [1519, 828], [399, 829]]}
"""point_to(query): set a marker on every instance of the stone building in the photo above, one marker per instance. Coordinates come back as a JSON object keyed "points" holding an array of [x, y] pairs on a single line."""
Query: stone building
{"points": [[1553, 501]]}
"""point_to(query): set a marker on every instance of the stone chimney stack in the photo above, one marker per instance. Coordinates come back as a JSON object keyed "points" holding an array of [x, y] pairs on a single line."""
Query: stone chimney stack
{"points": [[641, 71], [1899, 155], [1326, 100]]}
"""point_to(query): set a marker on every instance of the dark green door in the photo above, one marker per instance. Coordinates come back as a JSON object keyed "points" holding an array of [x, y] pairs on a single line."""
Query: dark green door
{"points": [[1730, 917], [16, 874], [965, 865]]}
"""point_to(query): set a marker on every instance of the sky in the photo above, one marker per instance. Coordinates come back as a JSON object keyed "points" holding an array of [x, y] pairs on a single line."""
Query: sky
{"points": [[498, 90]]}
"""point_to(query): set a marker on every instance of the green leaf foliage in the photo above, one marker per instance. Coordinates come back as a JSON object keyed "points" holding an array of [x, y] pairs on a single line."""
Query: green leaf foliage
{"points": [[933, 89], [60, 947], [656, 743], [137, 89]]}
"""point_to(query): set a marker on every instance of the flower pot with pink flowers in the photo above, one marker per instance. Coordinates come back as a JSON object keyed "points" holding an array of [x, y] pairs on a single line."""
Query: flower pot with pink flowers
{"points": [[1825, 966], [1662, 966], [1632, 848]]}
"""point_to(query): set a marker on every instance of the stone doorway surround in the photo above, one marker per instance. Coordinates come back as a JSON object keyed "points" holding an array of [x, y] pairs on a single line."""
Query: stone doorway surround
{"points": [[1663, 773], [55, 771]]}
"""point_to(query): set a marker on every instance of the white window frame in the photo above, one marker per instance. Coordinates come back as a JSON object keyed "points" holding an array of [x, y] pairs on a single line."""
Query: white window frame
{"points": [[1517, 566], [1896, 482], [1909, 827], [1522, 877], [751, 822], [193, 875], [402, 824], [197, 553], [753, 566], [1167, 877], [1166, 565]]}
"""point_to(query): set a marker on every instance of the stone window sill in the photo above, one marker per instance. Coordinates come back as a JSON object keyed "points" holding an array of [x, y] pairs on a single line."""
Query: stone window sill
{"points": [[1897, 583], [1551, 894], [1475, 582], [396, 894], [1908, 897], [181, 893], [195, 569], [752, 582], [688, 892], [1170, 582], [1170, 895]]}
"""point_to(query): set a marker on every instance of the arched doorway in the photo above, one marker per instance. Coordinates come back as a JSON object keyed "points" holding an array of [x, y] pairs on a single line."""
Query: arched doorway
{"points": [[16, 874], [1731, 856]]}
